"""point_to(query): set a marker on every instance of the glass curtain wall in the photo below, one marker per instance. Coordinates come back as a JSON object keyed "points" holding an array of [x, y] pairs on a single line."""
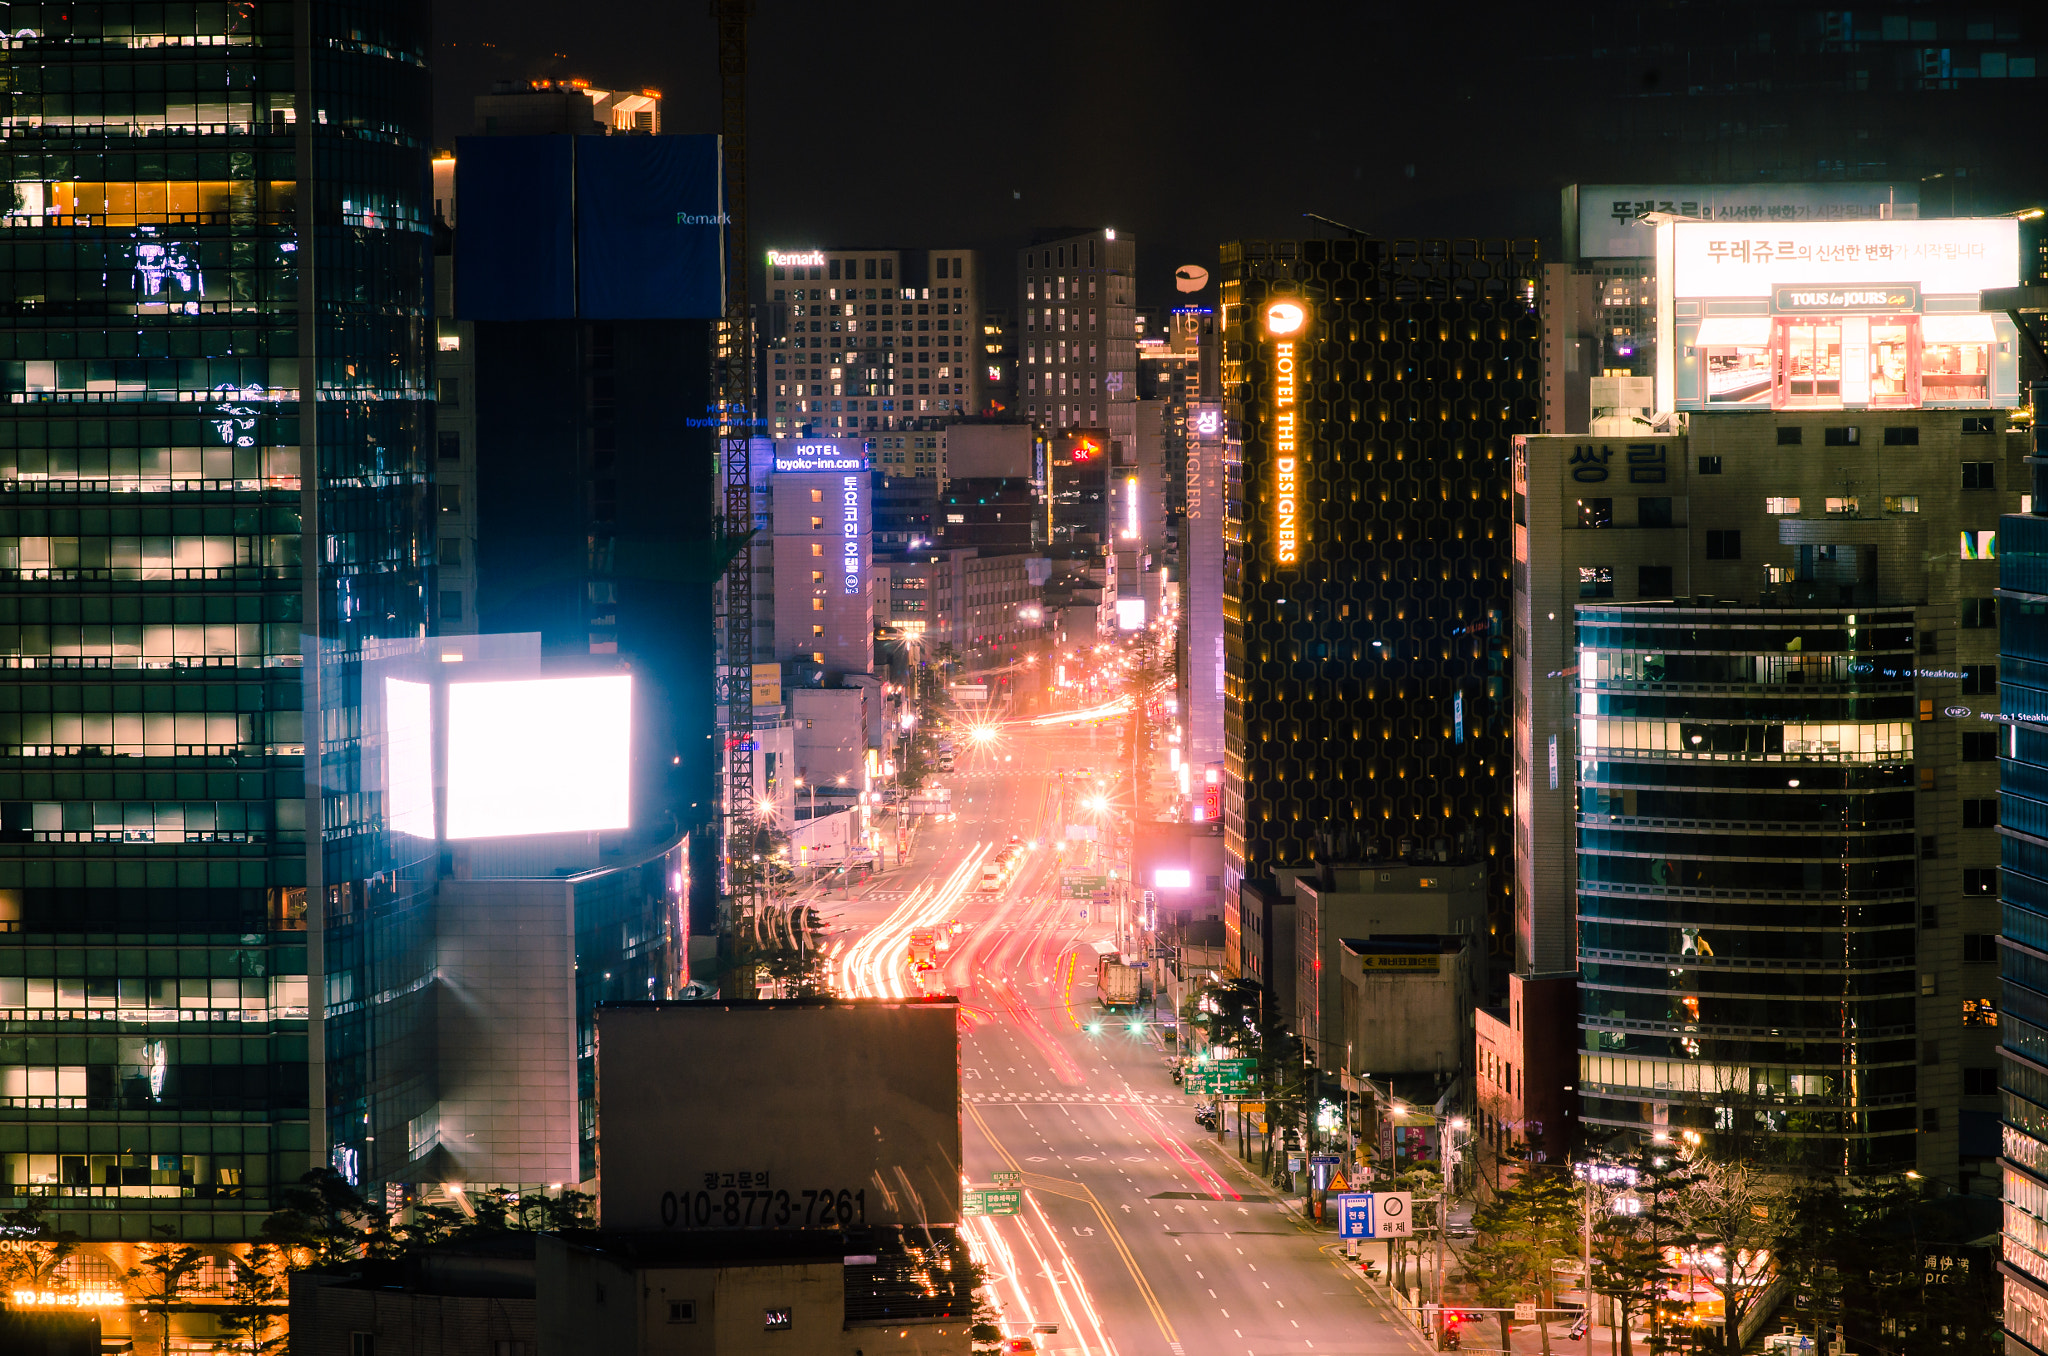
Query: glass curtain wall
{"points": [[1746, 895], [212, 217]]}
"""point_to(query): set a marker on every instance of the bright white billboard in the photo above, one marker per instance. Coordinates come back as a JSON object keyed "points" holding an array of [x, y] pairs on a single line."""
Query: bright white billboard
{"points": [[545, 755], [1835, 316], [409, 757], [1749, 259]]}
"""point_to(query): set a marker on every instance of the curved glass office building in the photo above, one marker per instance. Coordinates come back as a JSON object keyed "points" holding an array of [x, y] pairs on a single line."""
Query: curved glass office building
{"points": [[214, 310], [1746, 895]]}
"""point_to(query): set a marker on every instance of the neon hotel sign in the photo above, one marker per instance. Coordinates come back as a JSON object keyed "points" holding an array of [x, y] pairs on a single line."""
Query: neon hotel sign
{"points": [[1284, 320], [850, 528]]}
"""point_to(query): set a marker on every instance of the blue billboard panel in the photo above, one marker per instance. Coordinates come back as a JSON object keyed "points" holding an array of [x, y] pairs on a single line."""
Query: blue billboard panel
{"points": [[589, 228], [515, 253], [650, 234]]}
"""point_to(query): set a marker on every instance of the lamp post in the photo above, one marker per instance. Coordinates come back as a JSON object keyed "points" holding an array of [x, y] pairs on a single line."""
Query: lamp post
{"points": [[1449, 1153], [846, 850], [811, 848]]}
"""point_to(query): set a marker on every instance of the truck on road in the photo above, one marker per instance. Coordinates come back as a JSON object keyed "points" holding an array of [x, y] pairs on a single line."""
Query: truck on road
{"points": [[1116, 984]]}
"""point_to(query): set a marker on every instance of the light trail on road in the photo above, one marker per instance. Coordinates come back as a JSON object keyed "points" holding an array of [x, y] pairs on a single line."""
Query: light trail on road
{"points": [[1120, 706], [876, 967]]}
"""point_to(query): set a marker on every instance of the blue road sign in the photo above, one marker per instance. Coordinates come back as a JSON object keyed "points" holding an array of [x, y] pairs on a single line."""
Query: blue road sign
{"points": [[1354, 1215]]}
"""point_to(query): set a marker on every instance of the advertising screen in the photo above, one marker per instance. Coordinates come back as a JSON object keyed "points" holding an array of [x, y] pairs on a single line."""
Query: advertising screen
{"points": [[1743, 259], [590, 228], [545, 755], [1607, 215], [1868, 315], [409, 757], [853, 1115]]}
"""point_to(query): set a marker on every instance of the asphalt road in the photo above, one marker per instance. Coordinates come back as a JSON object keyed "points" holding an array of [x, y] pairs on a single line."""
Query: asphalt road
{"points": [[1139, 1233]]}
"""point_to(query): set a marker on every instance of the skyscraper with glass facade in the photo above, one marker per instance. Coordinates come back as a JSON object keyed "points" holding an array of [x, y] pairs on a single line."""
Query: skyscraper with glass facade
{"points": [[215, 277]]}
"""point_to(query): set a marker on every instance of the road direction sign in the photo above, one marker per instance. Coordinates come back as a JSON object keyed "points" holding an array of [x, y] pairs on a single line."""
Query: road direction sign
{"points": [[984, 1201]]}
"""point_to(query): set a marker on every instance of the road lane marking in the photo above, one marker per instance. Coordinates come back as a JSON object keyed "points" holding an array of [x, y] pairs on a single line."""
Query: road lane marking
{"points": [[1060, 1188]]}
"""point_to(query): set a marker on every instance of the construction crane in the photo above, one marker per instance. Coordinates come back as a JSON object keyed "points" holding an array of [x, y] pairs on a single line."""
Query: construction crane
{"points": [[732, 383]]}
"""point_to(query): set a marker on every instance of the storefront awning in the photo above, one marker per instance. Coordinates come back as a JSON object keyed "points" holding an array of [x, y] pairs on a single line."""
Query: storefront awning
{"points": [[1956, 329], [1735, 331]]}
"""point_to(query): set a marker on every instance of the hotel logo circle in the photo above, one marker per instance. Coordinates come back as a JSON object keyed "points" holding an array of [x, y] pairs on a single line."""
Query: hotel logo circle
{"points": [[1285, 317]]}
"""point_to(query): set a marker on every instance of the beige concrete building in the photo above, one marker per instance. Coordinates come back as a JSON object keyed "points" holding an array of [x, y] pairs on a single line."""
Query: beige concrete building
{"points": [[1830, 643], [1077, 364], [871, 340], [984, 605]]}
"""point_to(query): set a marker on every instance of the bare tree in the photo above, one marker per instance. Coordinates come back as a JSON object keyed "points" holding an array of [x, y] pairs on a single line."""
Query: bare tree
{"points": [[162, 1272], [1732, 1213]]}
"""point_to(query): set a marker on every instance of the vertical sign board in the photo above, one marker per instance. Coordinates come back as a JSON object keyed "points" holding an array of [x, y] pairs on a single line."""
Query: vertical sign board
{"points": [[852, 1115], [1286, 324], [1376, 1214]]}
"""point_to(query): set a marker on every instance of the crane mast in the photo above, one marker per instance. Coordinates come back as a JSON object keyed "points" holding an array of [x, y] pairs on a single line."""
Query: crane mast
{"points": [[732, 384]]}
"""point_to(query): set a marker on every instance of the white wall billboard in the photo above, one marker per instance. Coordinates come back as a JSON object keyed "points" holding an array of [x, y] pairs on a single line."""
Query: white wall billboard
{"points": [[409, 757], [545, 755], [1835, 316]]}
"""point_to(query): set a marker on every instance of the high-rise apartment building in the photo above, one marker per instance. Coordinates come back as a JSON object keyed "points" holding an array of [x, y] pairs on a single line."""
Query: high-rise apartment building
{"points": [[207, 929], [1376, 386], [1077, 345], [860, 340]]}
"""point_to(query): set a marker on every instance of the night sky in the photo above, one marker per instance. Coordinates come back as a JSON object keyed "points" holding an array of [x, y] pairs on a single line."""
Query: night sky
{"points": [[912, 125], [927, 125]]}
